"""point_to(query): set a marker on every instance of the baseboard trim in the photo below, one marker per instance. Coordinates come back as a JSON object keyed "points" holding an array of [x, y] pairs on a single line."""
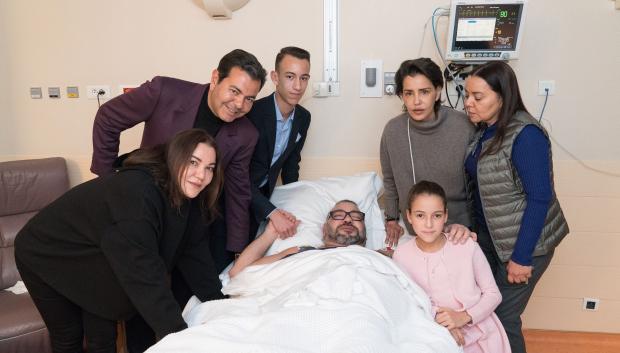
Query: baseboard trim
{"points": [[548, 341]]}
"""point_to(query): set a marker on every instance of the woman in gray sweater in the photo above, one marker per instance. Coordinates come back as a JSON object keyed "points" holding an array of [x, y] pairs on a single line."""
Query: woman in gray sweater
{"points": [[427, 141]]}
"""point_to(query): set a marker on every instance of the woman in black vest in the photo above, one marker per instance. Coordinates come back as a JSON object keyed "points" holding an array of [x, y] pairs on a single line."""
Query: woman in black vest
{"points": [[516, 213], [103, 251]]}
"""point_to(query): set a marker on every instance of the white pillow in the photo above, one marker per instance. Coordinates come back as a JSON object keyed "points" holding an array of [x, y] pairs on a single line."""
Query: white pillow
{"points": [[310, 201]]}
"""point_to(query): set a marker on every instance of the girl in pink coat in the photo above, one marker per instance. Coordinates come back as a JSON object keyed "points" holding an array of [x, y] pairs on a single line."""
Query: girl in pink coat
{"points": [[456, 277]]}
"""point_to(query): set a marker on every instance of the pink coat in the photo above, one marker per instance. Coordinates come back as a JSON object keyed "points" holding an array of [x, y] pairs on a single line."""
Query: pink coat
{"points": [[469, 278]]}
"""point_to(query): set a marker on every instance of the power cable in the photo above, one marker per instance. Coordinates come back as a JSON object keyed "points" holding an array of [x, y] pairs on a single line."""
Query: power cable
{"points": [[542, 111], [577, 159], [100, 93]]}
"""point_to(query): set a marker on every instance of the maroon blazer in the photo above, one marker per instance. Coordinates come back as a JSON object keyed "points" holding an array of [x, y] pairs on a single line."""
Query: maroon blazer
{"points": [[166, 106]]}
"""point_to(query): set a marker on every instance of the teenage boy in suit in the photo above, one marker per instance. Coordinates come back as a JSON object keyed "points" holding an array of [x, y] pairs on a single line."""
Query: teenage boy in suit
{"points": [[282, 125]]}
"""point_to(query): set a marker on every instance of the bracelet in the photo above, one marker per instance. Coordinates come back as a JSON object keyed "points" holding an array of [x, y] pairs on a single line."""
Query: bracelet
{"points": [[389, 219]]}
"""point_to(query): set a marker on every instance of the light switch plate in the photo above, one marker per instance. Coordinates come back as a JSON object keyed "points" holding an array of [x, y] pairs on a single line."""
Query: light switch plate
{"points": [[53, 92], [73, 92], [389, 85], [36, 93]]}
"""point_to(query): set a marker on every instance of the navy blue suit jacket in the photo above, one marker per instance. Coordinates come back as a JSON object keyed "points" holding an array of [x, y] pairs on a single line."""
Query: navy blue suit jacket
{"points": [[263, 115]]}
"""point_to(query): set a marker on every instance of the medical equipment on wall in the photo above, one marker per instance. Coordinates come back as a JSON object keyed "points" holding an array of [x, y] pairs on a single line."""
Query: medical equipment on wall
{"points": [[485, 30]]}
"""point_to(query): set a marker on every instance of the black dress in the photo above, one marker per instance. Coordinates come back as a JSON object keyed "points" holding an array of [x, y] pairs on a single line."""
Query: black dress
{"points": [[109, 245]]}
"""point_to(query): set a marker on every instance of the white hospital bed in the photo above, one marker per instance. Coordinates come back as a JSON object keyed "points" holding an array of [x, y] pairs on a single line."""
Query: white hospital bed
{"points": [[339, 300]]}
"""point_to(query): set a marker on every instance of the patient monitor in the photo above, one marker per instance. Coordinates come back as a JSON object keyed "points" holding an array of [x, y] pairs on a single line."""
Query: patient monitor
{"points": [[485, 30]]}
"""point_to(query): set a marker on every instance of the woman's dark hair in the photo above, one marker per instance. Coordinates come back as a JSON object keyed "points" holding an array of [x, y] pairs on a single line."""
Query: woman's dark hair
{"points": [[503, 81], [169, 161], [243, 60], [425, 187], [421, 66]]}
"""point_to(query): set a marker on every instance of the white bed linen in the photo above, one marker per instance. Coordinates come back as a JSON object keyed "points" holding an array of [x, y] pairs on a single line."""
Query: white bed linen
{"points": [[337, 300], [311, 200]]}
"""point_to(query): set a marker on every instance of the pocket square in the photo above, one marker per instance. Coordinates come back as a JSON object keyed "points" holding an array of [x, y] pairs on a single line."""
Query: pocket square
{"points": [[298, 137]]}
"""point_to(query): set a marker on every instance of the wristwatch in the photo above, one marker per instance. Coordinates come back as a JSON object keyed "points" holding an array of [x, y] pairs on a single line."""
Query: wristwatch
{"points": [[388, 219]]}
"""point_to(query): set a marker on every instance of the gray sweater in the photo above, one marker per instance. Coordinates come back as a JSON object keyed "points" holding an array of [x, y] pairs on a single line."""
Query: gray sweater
{"points": [[439, 150]]}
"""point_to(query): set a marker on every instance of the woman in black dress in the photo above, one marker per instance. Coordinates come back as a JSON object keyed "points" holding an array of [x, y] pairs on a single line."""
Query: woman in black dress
{"points": [[104, 251]]}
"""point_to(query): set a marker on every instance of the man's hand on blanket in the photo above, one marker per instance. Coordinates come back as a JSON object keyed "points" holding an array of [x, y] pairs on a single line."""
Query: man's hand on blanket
{"points": [[393, 232], [254, 254], [458, 233], [284, 223], [451, 319], [457, 334]]}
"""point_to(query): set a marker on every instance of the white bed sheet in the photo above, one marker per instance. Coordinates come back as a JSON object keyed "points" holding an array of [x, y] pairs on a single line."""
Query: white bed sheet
{"points": [[311, 200], [337, 300]]}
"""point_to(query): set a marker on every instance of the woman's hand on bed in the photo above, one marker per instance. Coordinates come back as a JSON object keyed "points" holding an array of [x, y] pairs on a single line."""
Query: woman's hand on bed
{"points": [[458, 233], [386, 252], [457, 334], [451, 319], [393, 232], [284, 223]]}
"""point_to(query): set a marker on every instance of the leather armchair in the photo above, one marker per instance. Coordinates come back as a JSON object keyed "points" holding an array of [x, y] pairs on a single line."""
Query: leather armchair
{"points": [[25, 187]]}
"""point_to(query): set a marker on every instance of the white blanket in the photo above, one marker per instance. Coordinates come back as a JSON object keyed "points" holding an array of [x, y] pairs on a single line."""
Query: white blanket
{"points": [[337, 300]]}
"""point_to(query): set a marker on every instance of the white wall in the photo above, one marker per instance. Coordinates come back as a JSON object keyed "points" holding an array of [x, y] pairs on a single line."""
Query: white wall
{"points": [[76, 42], [5, 142]]}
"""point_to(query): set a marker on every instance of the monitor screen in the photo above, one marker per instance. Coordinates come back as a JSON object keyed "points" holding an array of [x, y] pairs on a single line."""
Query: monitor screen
{"points": [[484, 30]]}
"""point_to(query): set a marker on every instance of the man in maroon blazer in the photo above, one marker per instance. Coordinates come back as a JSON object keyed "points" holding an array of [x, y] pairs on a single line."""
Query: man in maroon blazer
{"points": [[168, 105]]}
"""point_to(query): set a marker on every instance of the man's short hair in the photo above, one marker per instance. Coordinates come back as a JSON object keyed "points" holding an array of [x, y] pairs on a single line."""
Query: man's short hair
{"points": [[246, 62], [296, 52], [347, 201]]}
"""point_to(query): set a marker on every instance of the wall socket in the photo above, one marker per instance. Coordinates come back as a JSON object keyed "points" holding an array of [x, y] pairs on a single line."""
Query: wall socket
{"points": [[325, 89], [92, 91], [591, 304], [544, 85]]}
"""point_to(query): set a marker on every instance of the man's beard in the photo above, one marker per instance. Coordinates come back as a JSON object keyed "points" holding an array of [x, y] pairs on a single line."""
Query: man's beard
{"points": [[347, 239]]}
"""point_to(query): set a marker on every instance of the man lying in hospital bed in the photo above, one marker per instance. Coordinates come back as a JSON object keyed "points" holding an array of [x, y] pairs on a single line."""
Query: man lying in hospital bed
{"points": [[327, 294]]}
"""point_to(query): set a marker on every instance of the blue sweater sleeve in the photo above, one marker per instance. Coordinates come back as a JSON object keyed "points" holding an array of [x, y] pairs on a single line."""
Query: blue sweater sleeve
{"points": [[530, 156]]}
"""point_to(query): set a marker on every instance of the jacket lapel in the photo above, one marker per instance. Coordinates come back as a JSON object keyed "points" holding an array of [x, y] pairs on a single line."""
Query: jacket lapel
{"points": [[186, 112], [270, 126], [292, 138]]}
